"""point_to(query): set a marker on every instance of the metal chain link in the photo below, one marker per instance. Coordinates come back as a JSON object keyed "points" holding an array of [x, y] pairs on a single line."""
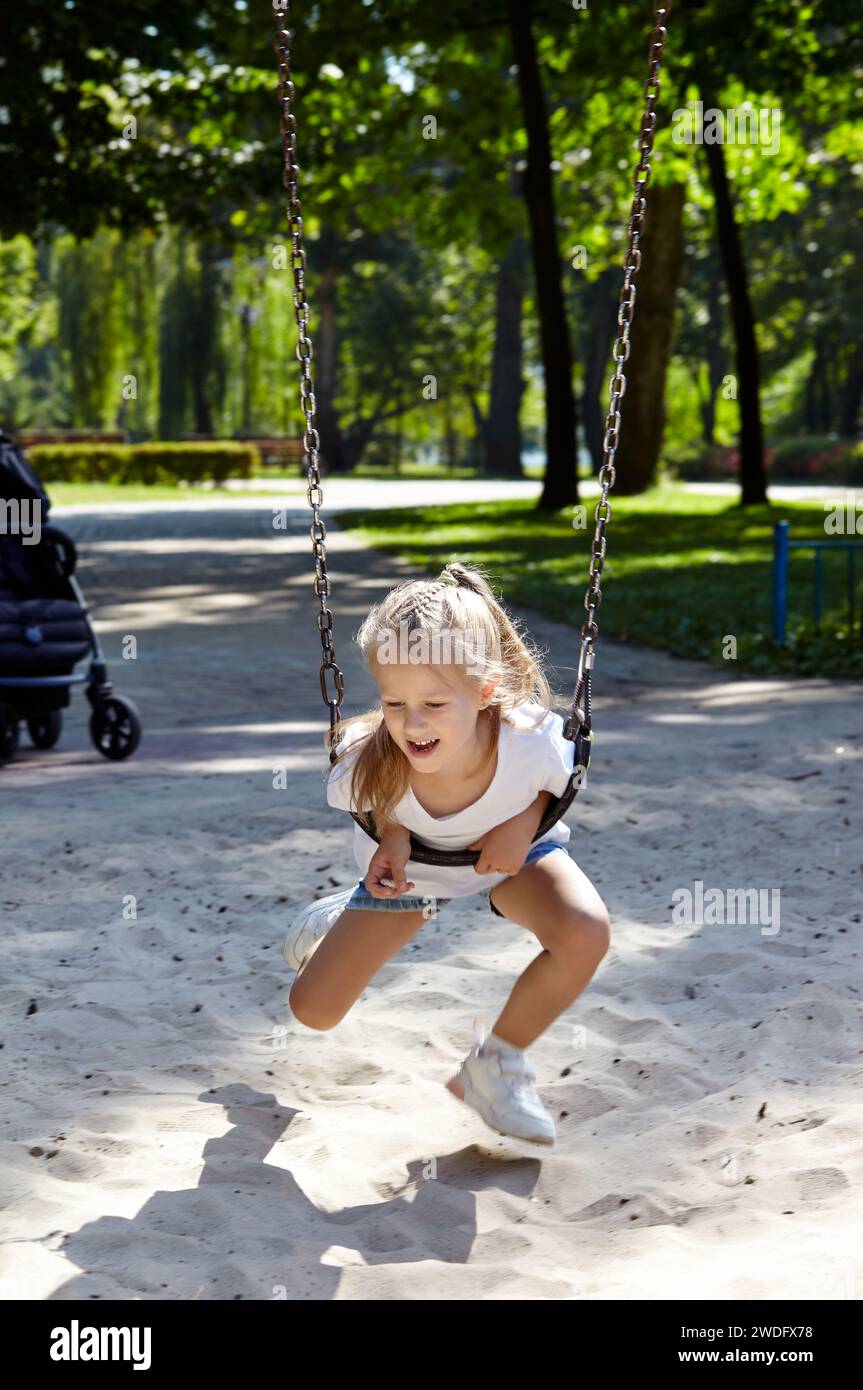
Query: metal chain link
{"points": [[620, 353], [617, 384], [311, 439]]}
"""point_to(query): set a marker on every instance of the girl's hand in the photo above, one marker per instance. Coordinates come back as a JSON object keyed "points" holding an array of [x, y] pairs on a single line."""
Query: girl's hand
{"points": [[389, 862], [503, 849]]}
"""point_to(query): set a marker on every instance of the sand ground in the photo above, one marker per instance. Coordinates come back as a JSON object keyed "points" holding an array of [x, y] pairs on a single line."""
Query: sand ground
{"points": [[169, 1130]]}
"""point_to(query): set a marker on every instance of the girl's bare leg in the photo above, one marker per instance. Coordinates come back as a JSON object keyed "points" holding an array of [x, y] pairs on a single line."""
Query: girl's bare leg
{"points": [[344, 961], [558, 903]]}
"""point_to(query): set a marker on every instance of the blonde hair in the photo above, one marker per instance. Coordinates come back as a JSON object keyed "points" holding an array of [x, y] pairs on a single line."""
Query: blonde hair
{"points": [[460, 599]]}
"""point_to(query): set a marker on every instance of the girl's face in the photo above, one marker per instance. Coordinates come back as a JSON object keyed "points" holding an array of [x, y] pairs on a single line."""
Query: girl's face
{"points": [[422, 705]]}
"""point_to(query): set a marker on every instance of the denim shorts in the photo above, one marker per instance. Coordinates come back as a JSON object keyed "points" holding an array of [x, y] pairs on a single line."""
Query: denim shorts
{"points": [[431, 906]]}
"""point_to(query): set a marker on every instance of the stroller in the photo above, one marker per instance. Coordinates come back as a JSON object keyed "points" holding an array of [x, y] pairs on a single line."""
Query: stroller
{"points": [[45, 628]]}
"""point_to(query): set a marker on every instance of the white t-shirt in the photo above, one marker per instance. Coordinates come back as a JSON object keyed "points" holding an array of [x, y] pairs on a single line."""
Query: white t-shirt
{"points": [[529, 760]]}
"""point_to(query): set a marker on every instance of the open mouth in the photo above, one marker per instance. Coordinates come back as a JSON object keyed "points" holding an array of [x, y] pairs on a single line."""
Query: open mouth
{"points": [[421, 750]]}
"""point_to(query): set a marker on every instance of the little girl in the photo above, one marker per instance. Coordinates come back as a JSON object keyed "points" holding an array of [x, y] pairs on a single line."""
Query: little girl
{"points": [[467, 752]]}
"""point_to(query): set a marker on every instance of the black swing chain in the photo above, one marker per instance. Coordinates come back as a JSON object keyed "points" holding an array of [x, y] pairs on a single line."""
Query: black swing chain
{"points": [[581, 712], [311, 438], [580, 718]]}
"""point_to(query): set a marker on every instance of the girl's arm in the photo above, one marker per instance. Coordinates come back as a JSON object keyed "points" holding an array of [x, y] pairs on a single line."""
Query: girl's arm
{"points": [[503, 849], [389, 861], [533, 814]]}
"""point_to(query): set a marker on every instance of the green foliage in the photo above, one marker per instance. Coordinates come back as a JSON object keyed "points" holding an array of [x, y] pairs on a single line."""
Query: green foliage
{"points": [[90, 327], [143, 463], [18, 276], [813, 459], [826, 459], [403, 233]]}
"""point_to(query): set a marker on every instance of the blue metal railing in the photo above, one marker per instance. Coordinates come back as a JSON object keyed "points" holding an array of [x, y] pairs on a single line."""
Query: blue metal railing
{"points": [[782, 543]]}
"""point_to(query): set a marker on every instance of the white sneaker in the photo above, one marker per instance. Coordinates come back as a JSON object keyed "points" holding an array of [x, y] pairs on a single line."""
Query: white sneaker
{"points": [[311, 925], [499, 1086]]}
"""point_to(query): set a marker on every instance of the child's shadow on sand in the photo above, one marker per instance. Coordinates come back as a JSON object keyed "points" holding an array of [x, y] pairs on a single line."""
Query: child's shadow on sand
{"points": [[263, 1238]]}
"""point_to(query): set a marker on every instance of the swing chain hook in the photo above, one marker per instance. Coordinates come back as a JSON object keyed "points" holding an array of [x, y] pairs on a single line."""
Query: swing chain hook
{"points": [[620, 354], [304, 352]]}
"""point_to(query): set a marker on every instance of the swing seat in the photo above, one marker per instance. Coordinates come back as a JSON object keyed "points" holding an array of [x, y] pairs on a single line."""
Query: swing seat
{"points": [[579, 734]]}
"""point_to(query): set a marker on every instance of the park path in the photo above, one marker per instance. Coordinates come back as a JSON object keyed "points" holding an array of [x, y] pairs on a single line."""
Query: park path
{"points": [[346, 492], [212, 1147]]}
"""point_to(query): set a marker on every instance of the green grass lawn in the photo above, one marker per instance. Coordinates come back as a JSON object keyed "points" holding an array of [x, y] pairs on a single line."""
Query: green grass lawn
{"points": [[283, 480], [682, 573], [408, 471], [77, 494], [418, 471]]}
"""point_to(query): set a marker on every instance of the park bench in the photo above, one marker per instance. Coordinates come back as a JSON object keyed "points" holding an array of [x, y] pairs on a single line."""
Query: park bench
{"points": [[279, 453]]}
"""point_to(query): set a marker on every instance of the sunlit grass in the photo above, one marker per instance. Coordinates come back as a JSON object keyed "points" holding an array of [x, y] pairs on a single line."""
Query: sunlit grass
{"points": [[288, 480], [683, 572], [78, 494]]}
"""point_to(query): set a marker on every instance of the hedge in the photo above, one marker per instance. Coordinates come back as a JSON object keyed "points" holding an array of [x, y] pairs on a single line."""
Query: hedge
{"points": [[804, 459], [143, 463]]}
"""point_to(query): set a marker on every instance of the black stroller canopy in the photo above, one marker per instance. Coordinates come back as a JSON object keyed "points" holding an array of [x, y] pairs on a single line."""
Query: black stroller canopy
{"points": [[17, 478]]}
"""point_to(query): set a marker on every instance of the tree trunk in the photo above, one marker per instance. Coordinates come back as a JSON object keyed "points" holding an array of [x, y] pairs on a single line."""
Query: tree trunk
{"points": [[325, 365], [398, 436], [502, 431], [707, 408], [810, 393], [173, 349], [598, 367], [816, 400], [560, 487], [204, 337], [356, 440], [852, 394], [643, 406], [825, 396], [246, 312], [479, 444], [450, 448], [715, 361], [753, 480]]}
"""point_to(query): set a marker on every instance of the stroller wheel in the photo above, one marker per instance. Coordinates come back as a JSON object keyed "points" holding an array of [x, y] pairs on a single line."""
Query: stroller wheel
{"points": [[45, 729], [115, 728], [8, 734]]}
